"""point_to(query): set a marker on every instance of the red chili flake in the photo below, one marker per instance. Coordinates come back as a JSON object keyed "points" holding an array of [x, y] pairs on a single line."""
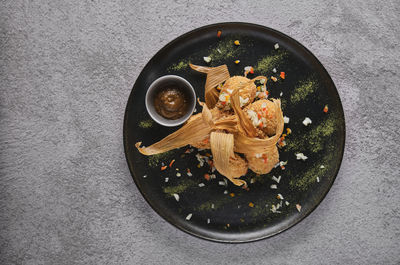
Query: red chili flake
{"points": [[259, 115], [210, 163], [172, 161], [282, 75], [187, 151], [251, 70], [326, 109], [205, 141], [282, 167], [266, 93], [260, 125], [163, 168], [207, 177], [265, 160], [219, 33], [223, 102]]}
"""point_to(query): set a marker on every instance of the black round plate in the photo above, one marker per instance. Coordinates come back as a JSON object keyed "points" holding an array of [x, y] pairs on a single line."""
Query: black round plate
{"points": [[227, 213]]}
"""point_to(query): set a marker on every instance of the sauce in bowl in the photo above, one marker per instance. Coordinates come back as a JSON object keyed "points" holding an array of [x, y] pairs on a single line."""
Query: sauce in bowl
{"points": [[171, 102]]}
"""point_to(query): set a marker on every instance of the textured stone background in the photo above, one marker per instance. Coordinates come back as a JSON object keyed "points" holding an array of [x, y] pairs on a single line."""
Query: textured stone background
{"points": [[66, 70]]}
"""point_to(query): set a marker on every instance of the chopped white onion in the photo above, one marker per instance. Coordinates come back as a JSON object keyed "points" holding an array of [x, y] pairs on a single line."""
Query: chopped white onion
{"points": [[301, 156], [307, 121], [286, 119]]}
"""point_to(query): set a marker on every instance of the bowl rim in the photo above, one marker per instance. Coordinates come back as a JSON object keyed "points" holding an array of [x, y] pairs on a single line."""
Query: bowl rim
{"points": [[158, 118]]}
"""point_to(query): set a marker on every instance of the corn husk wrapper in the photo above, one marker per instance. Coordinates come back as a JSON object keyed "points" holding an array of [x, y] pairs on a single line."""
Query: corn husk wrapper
{"points": [[215, 76], [194, 131], [225, 160], [253, 145]]}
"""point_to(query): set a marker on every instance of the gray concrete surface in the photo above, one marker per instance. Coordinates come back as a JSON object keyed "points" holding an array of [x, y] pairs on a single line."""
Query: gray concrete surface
{"points": [[66, 70]]}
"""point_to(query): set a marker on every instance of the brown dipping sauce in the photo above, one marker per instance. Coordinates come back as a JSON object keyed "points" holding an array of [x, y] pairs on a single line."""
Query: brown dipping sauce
{"points": [[171, 102]]}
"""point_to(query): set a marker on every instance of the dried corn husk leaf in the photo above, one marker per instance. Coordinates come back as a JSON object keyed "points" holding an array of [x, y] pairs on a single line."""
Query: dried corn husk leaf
{"points": [[194, 131], [225, 160], [215, 76], [248, 145], [245, 125]]}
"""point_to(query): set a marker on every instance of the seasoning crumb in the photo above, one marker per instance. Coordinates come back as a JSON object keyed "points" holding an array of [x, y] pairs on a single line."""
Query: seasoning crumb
{"points": [[237, 61], [219, 33], [212, 205], [274, 70], [176, 196], [276, 46], [228, 225], [252, 180], [322, 166], [144, 176], [166, 179], [317, 179], [287, 203], [281, 94], [279, 196], [236, 42], [232, 194], [251, 204], [326, 109], [201, 185], [298, 207], [208, 220], [225, 192], [274, 78], [307, 121], [178, 174], [273, 186], [189, 216]]}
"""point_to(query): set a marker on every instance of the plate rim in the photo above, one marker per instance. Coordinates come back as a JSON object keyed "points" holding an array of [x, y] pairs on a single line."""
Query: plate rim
{"points": [[176, 224]]}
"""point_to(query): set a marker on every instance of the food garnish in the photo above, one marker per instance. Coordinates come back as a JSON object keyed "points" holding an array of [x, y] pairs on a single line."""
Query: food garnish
{"points": [[307, 121], [233, 121]]}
